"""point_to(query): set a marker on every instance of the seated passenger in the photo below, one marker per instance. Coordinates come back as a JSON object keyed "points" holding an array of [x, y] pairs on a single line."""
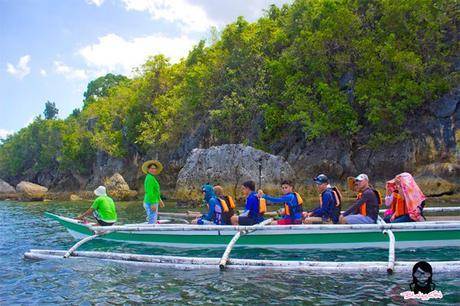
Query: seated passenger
{"points": [[329, 203], [292, 213], [397, 211], [255, 208], [213, 216], [405, 199], [103, 208], [366, 207], [227, 205]]}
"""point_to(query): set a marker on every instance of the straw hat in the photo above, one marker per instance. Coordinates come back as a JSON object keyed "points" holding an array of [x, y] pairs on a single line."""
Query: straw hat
{"points": [[351, 182], [147, 164]]}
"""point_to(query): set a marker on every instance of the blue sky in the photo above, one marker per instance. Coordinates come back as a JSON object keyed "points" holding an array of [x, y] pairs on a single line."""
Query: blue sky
{"points": [[51, 49]]}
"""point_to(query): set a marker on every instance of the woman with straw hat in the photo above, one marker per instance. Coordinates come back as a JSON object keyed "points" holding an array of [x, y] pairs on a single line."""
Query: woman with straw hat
{"points": [[152, 190]]}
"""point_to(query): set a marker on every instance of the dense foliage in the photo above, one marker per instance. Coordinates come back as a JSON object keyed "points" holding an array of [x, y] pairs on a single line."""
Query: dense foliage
{"points": [[327, 67]]}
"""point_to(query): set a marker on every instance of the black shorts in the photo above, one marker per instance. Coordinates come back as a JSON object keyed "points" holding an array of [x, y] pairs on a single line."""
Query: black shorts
{"points": [[103, 223], [246, 221]]}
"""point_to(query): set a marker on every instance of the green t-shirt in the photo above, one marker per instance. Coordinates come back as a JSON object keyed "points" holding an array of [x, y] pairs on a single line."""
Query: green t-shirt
{"points": [[105, 207], [152, 190]]}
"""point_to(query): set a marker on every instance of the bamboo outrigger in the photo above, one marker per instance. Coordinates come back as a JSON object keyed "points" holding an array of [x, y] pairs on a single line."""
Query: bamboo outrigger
{"points": [[399, 235]]}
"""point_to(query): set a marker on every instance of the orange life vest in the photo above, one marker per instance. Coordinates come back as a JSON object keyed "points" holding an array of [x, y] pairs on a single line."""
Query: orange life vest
{"points": [[262, 206], [337, 196], [398, 205], [287, 209], [363, 208], [227, 203]]}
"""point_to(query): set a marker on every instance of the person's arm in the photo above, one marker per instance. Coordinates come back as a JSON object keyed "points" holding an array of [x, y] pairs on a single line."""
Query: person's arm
{"points": [[355, 207], [283, 199], [251, 206], [327, 202], [90, 210], [210, 214]]}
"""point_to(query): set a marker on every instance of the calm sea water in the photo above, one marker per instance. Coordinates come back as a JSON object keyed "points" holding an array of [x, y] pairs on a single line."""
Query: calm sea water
{"points": [[86, 282]]}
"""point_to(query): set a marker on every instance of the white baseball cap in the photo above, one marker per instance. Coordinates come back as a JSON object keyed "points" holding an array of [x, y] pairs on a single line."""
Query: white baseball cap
{"points": [[100, 191], [362, 177]]}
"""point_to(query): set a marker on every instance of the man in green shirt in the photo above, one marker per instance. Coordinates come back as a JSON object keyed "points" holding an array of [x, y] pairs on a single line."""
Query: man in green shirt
{"points": [[103, 208]]}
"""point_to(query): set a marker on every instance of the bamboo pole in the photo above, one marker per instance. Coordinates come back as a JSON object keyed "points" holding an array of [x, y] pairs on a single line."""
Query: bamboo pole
{"points": [[188, 263], [79, 243], [190, 214], [429, 225], [391, 247], [435, 209], [228, 249]]}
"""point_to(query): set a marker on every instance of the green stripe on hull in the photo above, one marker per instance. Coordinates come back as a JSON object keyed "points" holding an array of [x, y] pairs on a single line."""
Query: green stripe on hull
{"points": [[266, 240]]}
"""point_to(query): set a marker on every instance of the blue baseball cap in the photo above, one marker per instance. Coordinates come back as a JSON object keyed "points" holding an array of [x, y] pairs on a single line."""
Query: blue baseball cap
{"points": [[320, 179]]}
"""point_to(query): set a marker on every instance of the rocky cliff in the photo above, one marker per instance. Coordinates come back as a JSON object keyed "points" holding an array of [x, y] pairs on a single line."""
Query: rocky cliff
{"points": [[230, 166], [431, 153]]}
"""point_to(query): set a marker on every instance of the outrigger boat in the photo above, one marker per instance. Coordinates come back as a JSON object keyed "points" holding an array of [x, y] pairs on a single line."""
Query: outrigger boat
{"points": [[380, 235], [420, 234]]}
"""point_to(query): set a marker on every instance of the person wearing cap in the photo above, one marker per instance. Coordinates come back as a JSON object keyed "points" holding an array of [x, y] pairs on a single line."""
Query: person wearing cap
{"points": [[103, 208], [152, 190], [214, 214], [329, 203], [366, 207], [292, 213]]}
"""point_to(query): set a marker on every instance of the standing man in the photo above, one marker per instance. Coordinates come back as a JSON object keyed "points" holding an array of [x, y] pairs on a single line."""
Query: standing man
{"points": [[103, 208], [329, 203], [255, 208], [366, 207], [152, 190]]}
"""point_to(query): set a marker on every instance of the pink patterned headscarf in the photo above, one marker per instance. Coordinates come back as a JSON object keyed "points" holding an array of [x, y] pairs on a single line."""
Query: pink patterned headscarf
{"points": [[413, 195]]}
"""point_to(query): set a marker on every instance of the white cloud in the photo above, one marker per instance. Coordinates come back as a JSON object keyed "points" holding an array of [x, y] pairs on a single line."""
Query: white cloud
{"points": [[115, 53], [21, 69], [4, 133], [43, 72], [189, 17], [70, 73], [95, 2]]}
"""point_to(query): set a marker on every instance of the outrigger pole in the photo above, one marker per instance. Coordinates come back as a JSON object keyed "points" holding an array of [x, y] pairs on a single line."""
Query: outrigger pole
{"points": [[228, 249], [391, 246], [190, 263]]}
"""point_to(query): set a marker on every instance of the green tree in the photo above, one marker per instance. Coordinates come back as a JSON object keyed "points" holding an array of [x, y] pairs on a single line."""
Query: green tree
{"points": [[50, 111], [101, 87]]}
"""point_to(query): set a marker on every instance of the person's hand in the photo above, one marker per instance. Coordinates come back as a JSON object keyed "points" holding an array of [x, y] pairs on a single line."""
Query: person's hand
{"points": [[392, 218], [260, 193], [162, 204]]}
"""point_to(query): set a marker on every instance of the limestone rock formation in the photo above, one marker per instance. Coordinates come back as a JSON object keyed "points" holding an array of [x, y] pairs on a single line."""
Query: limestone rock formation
{"points": [[5, 187], [118, 188], [30, 191], [230, 165]]}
